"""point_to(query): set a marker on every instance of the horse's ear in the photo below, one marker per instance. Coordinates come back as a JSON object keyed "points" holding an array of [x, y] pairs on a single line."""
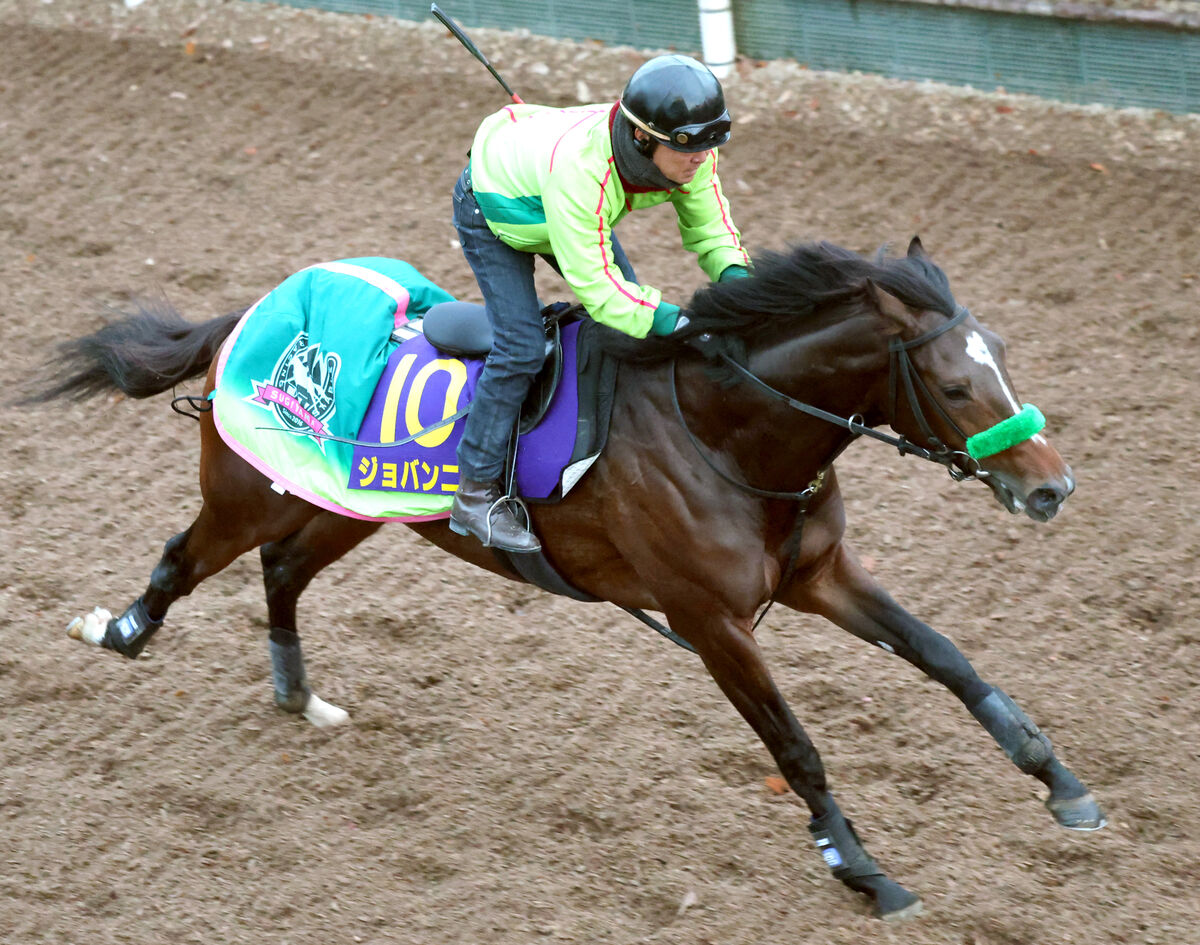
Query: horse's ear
{"points": [[916, 248], [890, 307]]}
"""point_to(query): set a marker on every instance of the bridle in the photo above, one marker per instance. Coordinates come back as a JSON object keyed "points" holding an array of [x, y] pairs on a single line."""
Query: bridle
{"points": [[901, 376]]}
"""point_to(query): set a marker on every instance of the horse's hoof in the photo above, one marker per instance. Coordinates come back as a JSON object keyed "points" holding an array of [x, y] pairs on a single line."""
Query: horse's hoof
{"points": [[893, 903], [911, 911], [1077, 813], [90, 628], [322, 714]]}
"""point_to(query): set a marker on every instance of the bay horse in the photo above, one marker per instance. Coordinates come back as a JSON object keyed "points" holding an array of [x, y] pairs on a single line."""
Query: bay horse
{"points": [[715, 496]]}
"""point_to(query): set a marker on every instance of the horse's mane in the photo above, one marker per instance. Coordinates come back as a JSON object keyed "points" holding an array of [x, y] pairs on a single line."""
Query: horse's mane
{"points": [[792, 286]]}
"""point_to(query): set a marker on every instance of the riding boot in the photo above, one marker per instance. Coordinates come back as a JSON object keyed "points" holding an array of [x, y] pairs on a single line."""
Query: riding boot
{"points": [[480, 510]]}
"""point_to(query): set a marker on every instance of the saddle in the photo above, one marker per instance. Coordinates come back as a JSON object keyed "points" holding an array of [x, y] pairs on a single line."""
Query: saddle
{"points": [[461, 329]]}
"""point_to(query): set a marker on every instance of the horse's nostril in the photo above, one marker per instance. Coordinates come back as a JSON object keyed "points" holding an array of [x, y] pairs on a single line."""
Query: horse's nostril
{"points": [[1045, 499]]}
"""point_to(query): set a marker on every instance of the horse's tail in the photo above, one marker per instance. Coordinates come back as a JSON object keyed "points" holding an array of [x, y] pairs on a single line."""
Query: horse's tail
{"points": [[142, 353]]}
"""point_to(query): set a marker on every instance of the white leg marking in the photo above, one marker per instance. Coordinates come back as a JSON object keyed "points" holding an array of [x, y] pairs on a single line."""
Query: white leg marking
{"points": [[90, 627], [322, 714], [980, 353]]}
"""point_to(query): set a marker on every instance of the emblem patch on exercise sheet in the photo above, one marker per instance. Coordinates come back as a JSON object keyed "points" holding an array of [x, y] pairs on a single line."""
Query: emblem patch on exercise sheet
{"points": [[300, 392]]}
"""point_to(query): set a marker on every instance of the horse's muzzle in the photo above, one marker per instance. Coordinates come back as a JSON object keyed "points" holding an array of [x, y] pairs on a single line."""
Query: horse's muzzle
{"points": [[1041, 503]]}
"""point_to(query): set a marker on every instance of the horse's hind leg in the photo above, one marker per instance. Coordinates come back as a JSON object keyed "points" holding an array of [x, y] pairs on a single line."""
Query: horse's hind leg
{"points": [[734, 661], [217, 536], [288, 566], [129, 633], [847, 595]]}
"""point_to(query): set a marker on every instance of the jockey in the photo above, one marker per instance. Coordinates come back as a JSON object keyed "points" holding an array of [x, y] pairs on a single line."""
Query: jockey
{"points": [[553, 182]]}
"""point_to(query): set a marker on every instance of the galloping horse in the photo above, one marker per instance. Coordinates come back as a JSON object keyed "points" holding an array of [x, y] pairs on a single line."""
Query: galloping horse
{"points": [[715, 495]]}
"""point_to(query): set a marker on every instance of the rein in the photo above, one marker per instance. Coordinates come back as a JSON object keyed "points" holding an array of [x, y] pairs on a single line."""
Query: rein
{"points": [[803, 496], [900, 369]]}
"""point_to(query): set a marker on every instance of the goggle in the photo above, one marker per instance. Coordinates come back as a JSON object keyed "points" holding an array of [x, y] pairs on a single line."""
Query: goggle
{"points": [[702, 136]]}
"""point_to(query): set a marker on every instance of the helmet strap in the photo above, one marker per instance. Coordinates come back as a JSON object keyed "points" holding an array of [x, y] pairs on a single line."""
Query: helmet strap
{"points": [[638, 123]]}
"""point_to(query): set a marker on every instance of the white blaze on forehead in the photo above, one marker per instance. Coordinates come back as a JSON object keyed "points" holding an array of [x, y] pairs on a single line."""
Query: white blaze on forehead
{"points": [[979, 352]]}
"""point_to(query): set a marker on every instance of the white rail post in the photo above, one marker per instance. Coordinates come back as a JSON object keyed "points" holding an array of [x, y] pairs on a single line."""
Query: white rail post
{"points": [[716, 36]]}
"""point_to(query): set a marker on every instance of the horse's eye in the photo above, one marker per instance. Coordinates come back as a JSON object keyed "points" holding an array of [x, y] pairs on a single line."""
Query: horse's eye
{"points": [[957, 394]]}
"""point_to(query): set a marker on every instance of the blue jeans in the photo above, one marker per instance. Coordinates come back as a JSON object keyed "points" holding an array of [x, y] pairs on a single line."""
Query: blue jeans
{"points": [[505, 277]]}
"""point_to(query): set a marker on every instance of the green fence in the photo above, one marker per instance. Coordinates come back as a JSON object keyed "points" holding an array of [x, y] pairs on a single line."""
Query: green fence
{"points": [[658, 25], [1116, 63], [1121, 63]]}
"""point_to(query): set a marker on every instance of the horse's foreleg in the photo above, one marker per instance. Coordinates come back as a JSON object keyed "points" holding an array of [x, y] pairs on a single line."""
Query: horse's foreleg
{"points": [[845, 593], [735, 662], [288, 567]]}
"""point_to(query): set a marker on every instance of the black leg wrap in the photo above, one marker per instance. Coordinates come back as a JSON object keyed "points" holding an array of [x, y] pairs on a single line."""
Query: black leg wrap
{"points": [[287, 670], [129, 633], [1014, 731], [840, 847], [844, 855]]}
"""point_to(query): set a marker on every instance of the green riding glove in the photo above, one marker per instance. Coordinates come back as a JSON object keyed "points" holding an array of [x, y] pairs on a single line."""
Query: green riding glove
{"points": [[667, 318]]}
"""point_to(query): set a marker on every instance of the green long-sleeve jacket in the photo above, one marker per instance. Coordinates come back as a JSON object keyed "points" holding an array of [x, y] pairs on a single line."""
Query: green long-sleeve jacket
{"points": [[546, 181]]}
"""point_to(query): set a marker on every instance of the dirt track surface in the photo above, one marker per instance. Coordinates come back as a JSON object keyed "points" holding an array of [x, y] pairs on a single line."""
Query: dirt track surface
{"points": [[521, 768]]}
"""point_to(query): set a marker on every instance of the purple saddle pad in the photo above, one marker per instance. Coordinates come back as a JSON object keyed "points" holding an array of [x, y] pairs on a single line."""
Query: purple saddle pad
{"points": [[420, 387]]}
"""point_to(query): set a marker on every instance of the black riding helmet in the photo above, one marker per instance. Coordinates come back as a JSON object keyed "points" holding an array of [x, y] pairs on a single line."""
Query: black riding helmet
{"points": [[678, 102]]}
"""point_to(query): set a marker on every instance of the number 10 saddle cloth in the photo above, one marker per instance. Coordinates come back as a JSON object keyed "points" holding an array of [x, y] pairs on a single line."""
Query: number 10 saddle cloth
{"points": [[330, 387]]}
